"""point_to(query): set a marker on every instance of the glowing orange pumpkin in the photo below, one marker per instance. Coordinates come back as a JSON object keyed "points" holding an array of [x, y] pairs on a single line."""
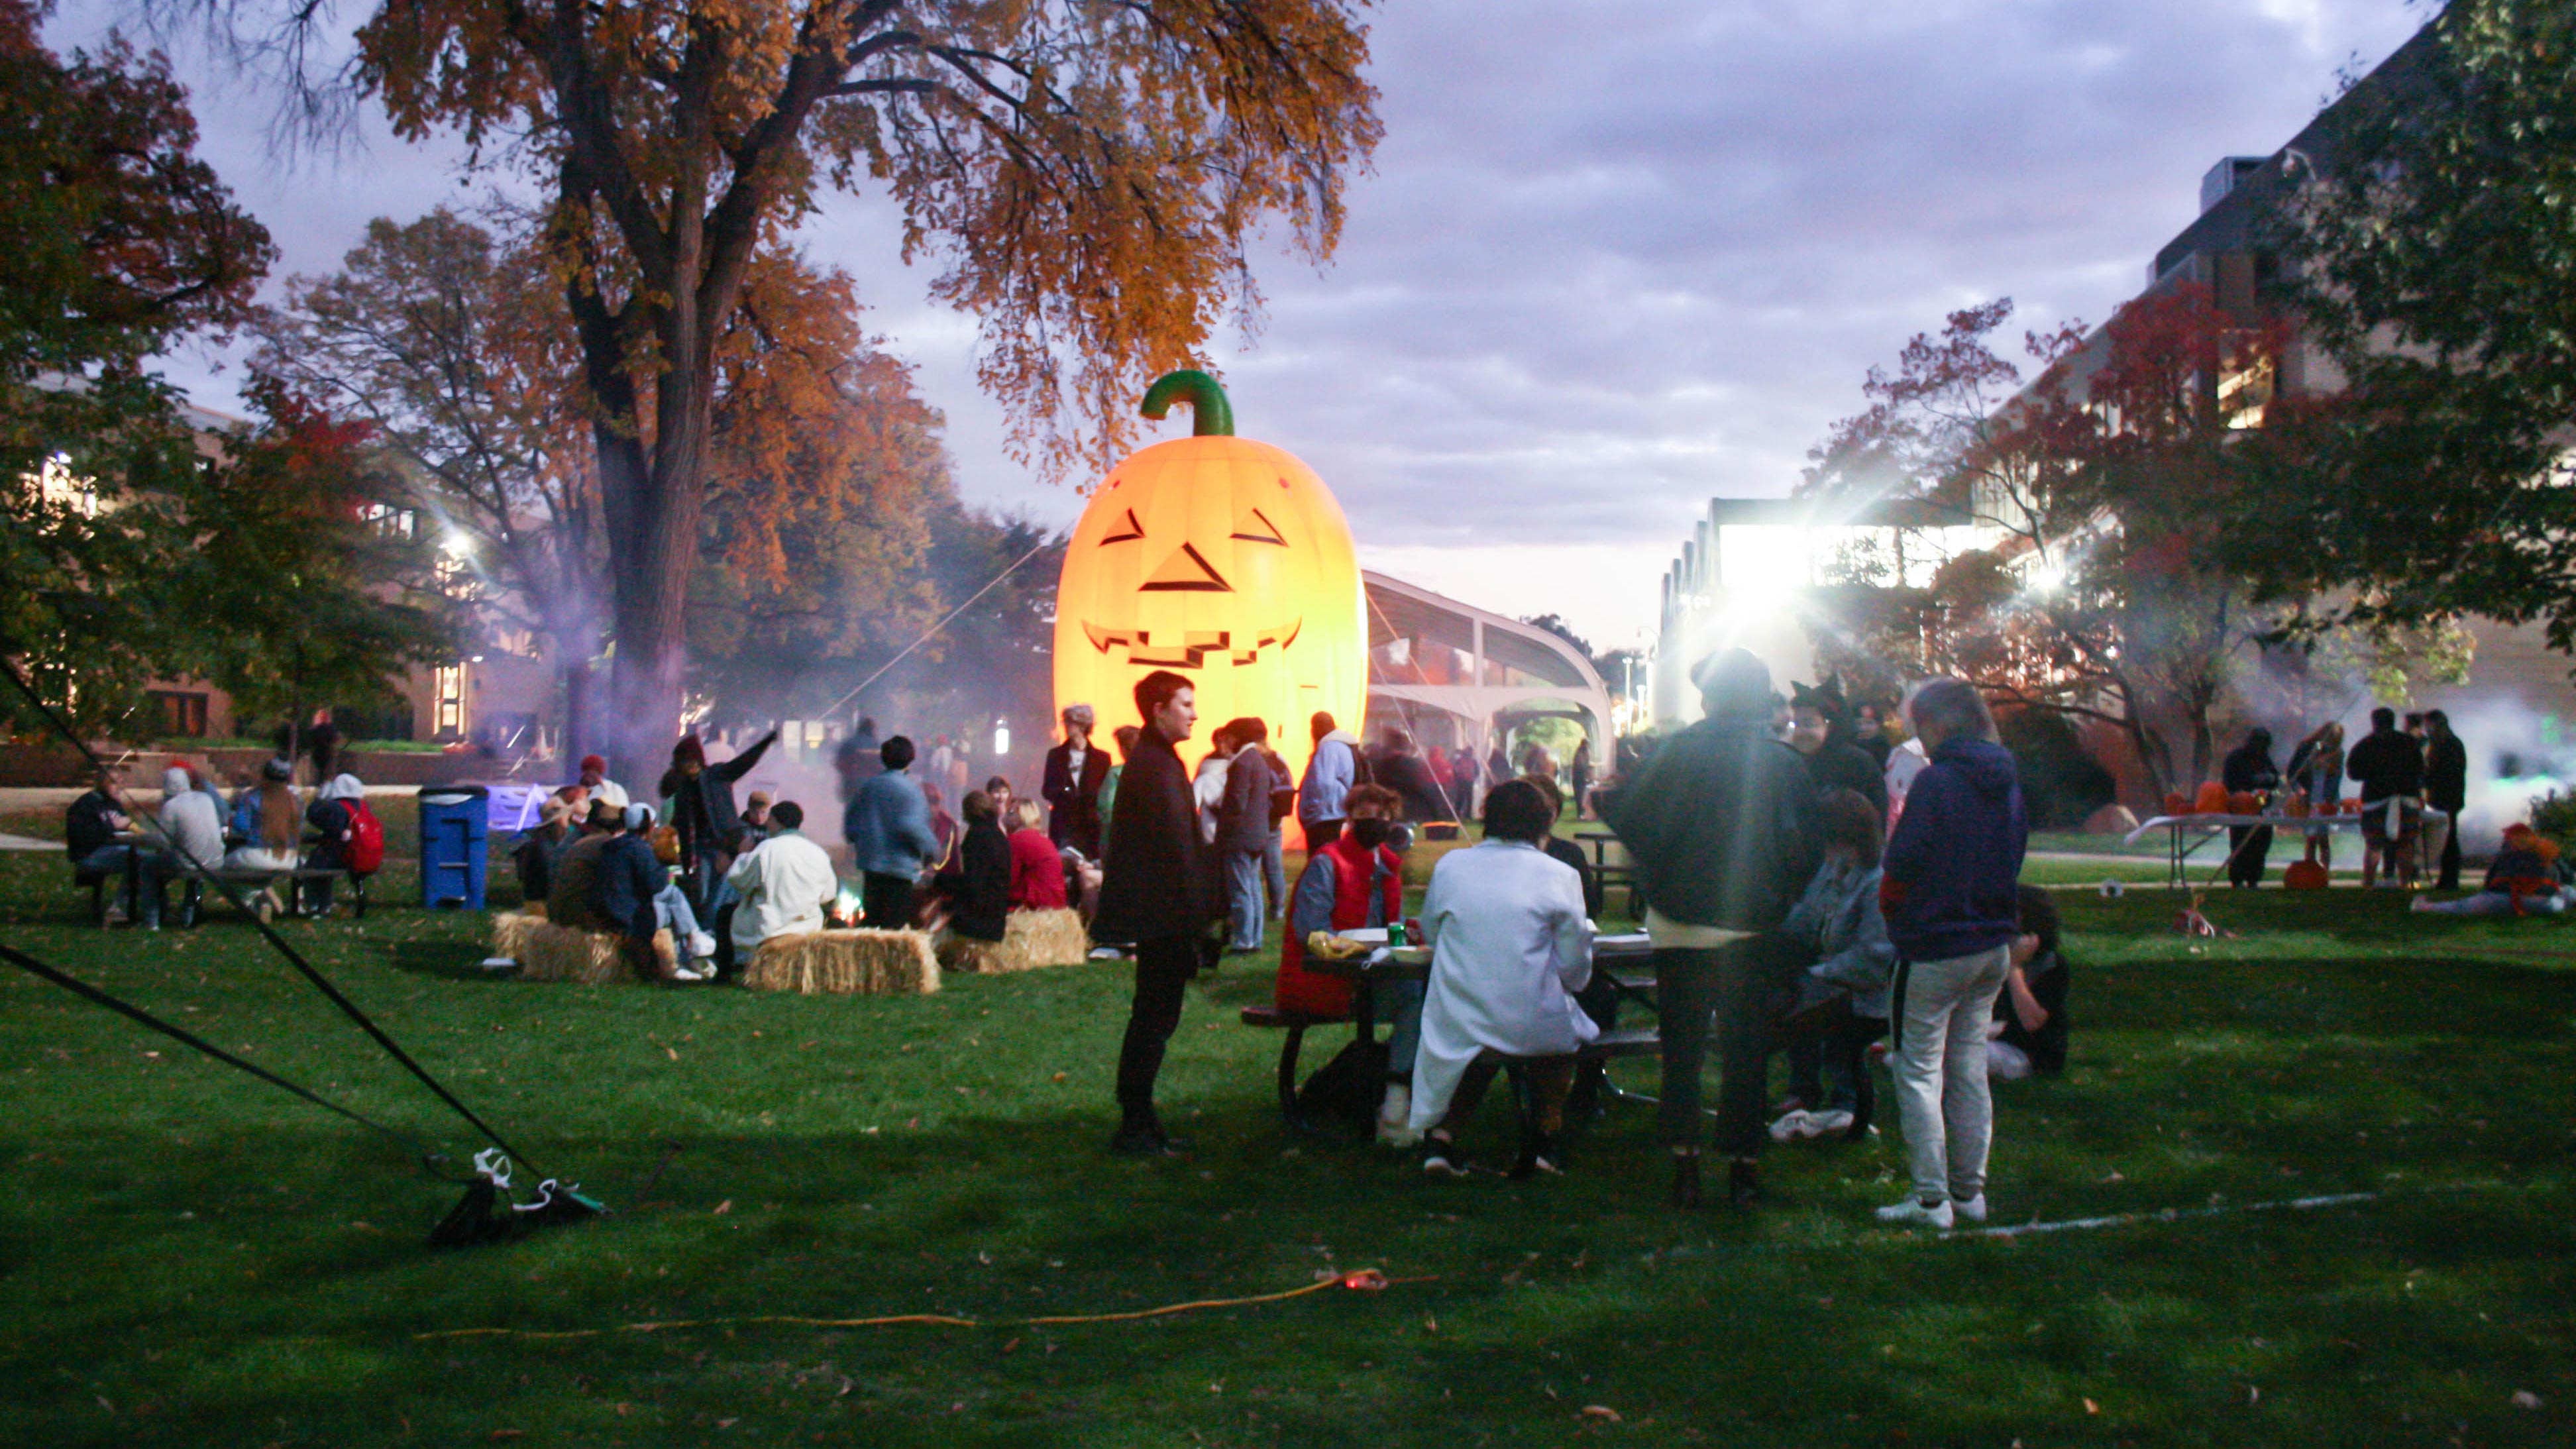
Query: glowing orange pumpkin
{"points": [[1225, 560], [2304, 875], [2212, 799]]}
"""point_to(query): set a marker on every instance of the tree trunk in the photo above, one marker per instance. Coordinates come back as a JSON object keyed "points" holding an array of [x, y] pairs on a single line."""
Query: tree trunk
{"points": [[654, 504]]}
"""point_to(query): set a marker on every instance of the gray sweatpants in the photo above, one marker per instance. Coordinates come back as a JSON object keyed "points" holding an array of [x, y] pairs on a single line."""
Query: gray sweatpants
{"points": [[1940, 1068]]}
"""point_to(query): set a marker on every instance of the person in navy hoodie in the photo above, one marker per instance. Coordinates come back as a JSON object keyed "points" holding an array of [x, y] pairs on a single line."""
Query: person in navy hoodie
{"points": [[1950, 895]]}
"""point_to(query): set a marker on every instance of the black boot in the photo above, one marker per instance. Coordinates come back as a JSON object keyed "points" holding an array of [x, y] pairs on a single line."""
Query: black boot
{"points": [[1744, 1183], [1540, 1156], [1686, 1180]]}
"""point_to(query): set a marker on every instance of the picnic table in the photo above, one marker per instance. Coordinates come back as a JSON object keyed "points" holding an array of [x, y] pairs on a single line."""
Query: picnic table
{"points": [[2186, 834], [1619, 959]]}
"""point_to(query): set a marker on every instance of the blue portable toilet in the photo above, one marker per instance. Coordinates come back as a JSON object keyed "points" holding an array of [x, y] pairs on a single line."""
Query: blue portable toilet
{"points": [[454, 830]]}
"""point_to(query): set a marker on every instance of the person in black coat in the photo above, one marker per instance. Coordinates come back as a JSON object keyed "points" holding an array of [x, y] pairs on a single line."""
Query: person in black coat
{"points": [[2446, 788], [703, 812], [1156, 891], [1820, 728], [1071, 785], [2248, 767], [979, 894], [1722, 825], [2388, 765], [1403, 771]]}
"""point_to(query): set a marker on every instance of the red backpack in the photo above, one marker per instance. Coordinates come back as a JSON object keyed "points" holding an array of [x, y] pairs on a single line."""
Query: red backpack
{"points": [[366, 839]]}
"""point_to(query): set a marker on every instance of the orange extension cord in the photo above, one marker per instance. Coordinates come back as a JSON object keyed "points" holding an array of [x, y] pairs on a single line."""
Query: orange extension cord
{"points": [[1363, 1279]]}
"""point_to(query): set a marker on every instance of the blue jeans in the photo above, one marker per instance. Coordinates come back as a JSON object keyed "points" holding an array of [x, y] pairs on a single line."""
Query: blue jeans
{"points": [[131, 869], [672, 913], [1275, 872], [1400, 1002], [1243, 898]]}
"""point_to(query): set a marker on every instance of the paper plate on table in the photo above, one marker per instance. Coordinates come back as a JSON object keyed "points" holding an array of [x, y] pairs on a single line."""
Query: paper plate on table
{"points": [[1410, 955], [1365, 935]]}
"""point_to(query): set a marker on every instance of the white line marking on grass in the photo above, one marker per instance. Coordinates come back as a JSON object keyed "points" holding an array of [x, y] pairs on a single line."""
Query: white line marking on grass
{"points": [[2169, 1215]]}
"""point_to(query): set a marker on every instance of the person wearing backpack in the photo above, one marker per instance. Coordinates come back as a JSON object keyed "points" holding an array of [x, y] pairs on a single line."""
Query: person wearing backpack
{"points": [[352, 838]]}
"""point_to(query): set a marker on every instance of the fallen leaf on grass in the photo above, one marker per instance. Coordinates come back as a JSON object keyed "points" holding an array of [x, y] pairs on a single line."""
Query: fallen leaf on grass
{"points": [[1602, 1412], [724, 1207], [671, 1052], [2525, 1399], [2091, 1407]]}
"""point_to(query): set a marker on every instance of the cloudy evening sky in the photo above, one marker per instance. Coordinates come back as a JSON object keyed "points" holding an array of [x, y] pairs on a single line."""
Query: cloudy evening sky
{"points": [[1615, 257]]}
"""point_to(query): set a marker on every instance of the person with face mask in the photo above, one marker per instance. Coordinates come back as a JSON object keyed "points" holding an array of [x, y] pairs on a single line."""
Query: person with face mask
{"points": [[1353, 883]]}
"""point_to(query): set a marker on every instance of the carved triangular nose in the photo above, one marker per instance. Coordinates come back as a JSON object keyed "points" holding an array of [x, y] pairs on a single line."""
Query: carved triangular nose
{"points": [[1186, 572]]}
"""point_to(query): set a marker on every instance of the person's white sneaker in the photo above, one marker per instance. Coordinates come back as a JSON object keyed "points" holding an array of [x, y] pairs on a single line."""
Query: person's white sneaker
{"points": [[1912, 1214], [702, 945], [1969, 1209], [1392, 1115], [1795, 1126]]}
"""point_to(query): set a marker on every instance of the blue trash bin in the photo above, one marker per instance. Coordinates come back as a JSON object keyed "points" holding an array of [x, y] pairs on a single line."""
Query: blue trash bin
{"points": [[454, 834]]}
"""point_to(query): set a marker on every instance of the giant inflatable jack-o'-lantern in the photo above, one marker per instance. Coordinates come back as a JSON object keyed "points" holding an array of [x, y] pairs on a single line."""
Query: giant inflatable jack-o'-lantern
{"points": [[1222, 559]]}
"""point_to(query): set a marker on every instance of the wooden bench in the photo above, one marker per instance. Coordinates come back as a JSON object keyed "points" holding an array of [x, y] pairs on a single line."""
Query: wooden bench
{"points": [[1295, 1024], [96, 881], [192, 902]]}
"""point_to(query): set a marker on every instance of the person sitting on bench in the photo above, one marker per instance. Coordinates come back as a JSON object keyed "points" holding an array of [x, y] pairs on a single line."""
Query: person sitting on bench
{"points": [[91, 826], [194, 833], [334, 814], [277, 821], [1837, 926], [1354, 882], [1510, 946]]}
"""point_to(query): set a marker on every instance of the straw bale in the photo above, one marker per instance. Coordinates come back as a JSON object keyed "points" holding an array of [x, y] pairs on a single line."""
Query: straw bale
{"points": [[846, 963], [548, 952], [1044, 938]]}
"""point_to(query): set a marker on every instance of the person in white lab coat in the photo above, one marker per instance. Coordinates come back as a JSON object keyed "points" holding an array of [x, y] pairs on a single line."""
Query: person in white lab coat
{"points": [[785, 882], [1509, 948]]}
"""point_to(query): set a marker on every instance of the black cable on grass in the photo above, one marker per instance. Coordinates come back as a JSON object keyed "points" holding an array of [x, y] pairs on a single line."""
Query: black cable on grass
{"points": [[293, 957], [429, 1155]]}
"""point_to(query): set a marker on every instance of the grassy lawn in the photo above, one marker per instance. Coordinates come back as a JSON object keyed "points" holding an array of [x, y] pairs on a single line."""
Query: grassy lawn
{"points": [[189, 1257]]}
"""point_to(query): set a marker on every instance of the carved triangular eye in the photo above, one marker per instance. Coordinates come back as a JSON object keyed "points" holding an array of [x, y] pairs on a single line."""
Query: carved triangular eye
{"points": [[1256, 527], [1126, 530]]}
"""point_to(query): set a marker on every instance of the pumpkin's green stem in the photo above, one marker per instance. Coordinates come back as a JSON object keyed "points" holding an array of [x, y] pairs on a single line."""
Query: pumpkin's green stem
{"points": [[1211, 416]]}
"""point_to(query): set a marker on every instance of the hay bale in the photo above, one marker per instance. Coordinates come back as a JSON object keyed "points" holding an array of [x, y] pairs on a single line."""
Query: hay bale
{"points": [[846, 963], [969, 956], [510, 932], [548, 952], [1044, 938]]}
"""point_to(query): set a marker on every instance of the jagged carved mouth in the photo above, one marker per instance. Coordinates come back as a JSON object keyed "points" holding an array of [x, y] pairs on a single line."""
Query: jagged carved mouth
{"points": [[1192, 648]]}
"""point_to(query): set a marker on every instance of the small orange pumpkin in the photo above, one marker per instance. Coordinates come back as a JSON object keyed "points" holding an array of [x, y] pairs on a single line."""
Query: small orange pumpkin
{"points": [[2177, 804], [2298, 807], [2304, 875], [2244, 802], [2212, 799]]}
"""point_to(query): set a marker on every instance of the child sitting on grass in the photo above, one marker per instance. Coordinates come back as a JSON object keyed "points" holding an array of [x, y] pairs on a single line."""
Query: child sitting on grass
{"points": [[2029, 1030], [2522, 882]]}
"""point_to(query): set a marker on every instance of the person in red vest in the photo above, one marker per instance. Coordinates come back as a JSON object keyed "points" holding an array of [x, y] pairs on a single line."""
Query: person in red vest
{"points": [[1352, 883]]}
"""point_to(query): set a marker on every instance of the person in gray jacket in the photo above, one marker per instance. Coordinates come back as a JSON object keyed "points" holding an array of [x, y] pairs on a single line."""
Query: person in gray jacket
{"points": [[1837, 926], [888, 828], [1243, 830], [1330, 773]]}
